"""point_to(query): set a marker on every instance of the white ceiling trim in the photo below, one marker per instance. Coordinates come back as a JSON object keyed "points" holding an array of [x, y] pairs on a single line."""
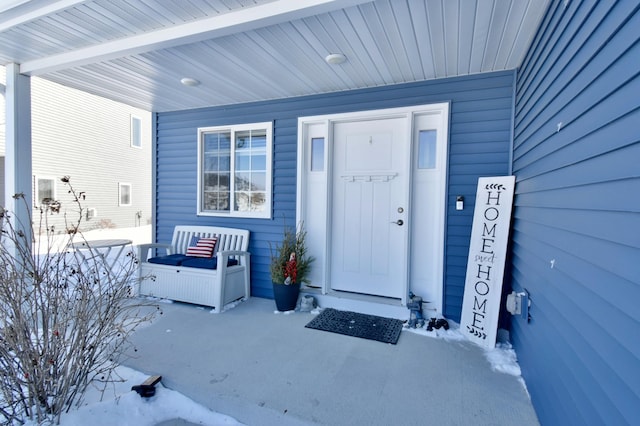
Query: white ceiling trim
{"points": [[205, 29]]}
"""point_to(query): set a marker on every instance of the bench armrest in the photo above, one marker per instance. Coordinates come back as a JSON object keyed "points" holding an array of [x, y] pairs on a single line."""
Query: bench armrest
{"points": [[224, 256], [143, 250]]}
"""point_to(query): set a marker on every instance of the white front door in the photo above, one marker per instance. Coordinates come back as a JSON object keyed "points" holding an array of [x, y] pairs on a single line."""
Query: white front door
{"points": [[369, 214]]}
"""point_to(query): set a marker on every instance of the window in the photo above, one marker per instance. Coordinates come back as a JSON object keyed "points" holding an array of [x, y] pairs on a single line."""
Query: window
{"points": [[317, 154], [427, 149], [136, 132], [124, 194], [234, 170], [45, 190]]}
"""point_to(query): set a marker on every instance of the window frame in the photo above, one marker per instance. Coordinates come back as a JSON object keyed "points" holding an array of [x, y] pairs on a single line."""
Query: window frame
{"points": [[120, 186], [132, 134], [267, 127], [36, 200]]}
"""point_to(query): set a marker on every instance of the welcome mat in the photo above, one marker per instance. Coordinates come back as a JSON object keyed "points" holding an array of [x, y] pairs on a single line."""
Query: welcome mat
{"points": [[386, 330]]}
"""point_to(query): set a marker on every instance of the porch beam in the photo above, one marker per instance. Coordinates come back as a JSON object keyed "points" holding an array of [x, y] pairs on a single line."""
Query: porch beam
{"points": [[18, 179], [225, 24]]}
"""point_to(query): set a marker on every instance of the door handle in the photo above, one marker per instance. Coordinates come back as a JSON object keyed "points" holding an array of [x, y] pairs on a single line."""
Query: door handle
{"points": [[399, 222]]}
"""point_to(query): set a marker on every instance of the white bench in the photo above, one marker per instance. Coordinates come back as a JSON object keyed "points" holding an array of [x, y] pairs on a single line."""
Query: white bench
{"points": [[208, 287]]}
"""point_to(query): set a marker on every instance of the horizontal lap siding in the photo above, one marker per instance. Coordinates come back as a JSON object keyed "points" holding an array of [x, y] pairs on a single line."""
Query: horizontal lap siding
{"points": [[481, 110], [576, 239]]}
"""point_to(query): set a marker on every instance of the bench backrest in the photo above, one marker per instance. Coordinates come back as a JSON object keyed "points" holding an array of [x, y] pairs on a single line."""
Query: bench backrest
{"points": [[228, 238]]}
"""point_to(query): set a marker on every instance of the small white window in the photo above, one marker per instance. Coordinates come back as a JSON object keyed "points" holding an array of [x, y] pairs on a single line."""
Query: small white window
{"points": [[136, 132], [427, 143], [317, 154], [124, 194], [45, 190], [234, 170]]}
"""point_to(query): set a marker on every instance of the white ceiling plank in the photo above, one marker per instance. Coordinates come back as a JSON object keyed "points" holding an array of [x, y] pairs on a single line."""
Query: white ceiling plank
{"points": [[216, 26], [484, 11], [495, 36], [435, 18], [534, 14], [418, 14], [512, 26], [411, 44], [366, 22], [38, 13], [392, 13], [136, 51], [466, 32], [451, 15], [336, 74]]}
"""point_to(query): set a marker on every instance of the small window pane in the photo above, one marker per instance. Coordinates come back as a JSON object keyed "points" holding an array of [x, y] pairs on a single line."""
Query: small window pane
{"points": [[317, 154], [427, 149], [136, 132], [45, 190], [125, 194]]}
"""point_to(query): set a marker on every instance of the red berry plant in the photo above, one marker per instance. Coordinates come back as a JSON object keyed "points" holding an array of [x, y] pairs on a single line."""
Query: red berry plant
{"points": [[290, 261], [65, 319]]}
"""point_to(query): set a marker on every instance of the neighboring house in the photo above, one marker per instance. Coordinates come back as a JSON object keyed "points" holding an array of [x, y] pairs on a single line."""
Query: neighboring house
{"points": [[104, 146], [565, 124], [354, 163]]}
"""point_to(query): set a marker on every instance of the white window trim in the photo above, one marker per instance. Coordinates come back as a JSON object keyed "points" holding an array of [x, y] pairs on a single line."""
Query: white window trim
{"points": [[120, 203], [268, 126], [131, 135], [36, 198]]}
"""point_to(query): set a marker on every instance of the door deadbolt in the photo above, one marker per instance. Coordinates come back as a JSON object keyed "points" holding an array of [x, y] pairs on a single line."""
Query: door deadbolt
{"points": [[400, 210]]}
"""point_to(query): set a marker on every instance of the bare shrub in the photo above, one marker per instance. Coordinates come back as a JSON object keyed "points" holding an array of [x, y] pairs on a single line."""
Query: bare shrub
{"points": [[65, 319]]}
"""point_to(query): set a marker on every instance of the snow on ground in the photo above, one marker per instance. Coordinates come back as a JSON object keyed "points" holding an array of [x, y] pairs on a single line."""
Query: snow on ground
{"points": [[121, 406], [502, 358], [124, 407]]}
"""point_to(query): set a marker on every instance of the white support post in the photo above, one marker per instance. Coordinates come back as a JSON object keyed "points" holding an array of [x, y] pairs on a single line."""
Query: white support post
{"points": [[18, 175]]}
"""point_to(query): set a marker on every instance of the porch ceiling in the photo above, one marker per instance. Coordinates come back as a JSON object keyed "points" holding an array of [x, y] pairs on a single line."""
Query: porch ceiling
{"points": [[137, 51]]}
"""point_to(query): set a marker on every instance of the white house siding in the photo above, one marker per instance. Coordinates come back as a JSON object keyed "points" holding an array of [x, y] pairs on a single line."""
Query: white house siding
{"points": [[87, 137]]}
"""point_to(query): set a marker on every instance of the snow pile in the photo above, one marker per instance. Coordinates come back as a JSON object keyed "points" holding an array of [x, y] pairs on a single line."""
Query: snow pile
{"points": [[502, 358], [122, 406]]}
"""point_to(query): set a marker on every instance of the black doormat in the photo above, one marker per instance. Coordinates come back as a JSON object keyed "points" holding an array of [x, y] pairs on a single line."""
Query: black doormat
{"points": [[386, 330]]}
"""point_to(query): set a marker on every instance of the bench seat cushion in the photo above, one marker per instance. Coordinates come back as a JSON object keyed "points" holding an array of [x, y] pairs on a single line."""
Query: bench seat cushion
{"points": [[189, 261], [206, 263], [172, 259]]}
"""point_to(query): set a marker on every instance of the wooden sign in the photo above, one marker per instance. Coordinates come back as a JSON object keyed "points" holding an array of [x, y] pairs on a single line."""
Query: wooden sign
{"points": [[487, 253]]}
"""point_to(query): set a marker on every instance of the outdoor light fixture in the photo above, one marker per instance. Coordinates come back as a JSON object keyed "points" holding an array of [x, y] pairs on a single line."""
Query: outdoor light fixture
{"points": [[335, 58], [188, 81]]}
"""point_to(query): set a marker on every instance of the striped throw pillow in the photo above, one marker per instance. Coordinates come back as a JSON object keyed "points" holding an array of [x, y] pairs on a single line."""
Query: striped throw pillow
{"points": [[204, 247]]}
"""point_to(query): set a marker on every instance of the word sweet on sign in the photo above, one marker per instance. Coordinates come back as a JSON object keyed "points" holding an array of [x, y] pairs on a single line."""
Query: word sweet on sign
{"points": [[487, 253]]}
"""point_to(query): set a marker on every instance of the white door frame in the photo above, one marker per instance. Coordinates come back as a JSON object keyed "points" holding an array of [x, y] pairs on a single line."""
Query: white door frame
{"points": [[314, 197]]}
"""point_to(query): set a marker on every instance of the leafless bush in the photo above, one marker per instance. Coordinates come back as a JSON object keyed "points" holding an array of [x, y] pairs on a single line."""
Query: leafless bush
{"points": [[65, 319]]}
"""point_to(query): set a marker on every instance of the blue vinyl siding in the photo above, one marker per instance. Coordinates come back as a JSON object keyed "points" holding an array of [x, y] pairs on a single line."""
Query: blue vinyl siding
{"points": [[576, 238], [480, 129]]}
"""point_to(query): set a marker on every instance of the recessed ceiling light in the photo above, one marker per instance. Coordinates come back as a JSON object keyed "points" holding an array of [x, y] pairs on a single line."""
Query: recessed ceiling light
{"points": [[335, 58], [188, 81]]}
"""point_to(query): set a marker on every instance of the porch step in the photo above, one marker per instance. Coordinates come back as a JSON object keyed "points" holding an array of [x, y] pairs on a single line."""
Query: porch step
{"points": [[364, 304]]}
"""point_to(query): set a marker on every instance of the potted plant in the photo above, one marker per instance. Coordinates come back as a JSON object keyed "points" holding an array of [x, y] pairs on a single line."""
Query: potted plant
{"points": [[290, 266]]}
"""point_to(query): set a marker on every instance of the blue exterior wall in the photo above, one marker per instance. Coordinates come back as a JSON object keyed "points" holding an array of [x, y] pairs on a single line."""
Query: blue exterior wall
{"points": [[576, 238], [480, 137]]}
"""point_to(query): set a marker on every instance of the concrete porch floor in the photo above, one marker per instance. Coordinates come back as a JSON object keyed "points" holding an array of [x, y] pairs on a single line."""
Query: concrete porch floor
{"points": [[264, 368]]}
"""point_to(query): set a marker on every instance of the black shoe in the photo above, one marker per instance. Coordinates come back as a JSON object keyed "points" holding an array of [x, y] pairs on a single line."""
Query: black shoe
{"points": [[442, 323], [432, 324]]}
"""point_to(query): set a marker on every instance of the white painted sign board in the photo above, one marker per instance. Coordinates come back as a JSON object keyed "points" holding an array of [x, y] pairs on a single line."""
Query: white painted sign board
{"points": [[487, 253]]}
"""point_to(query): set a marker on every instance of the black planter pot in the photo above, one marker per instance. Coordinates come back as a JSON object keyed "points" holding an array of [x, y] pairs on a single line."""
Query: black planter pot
{"points": [[286, 296]]}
